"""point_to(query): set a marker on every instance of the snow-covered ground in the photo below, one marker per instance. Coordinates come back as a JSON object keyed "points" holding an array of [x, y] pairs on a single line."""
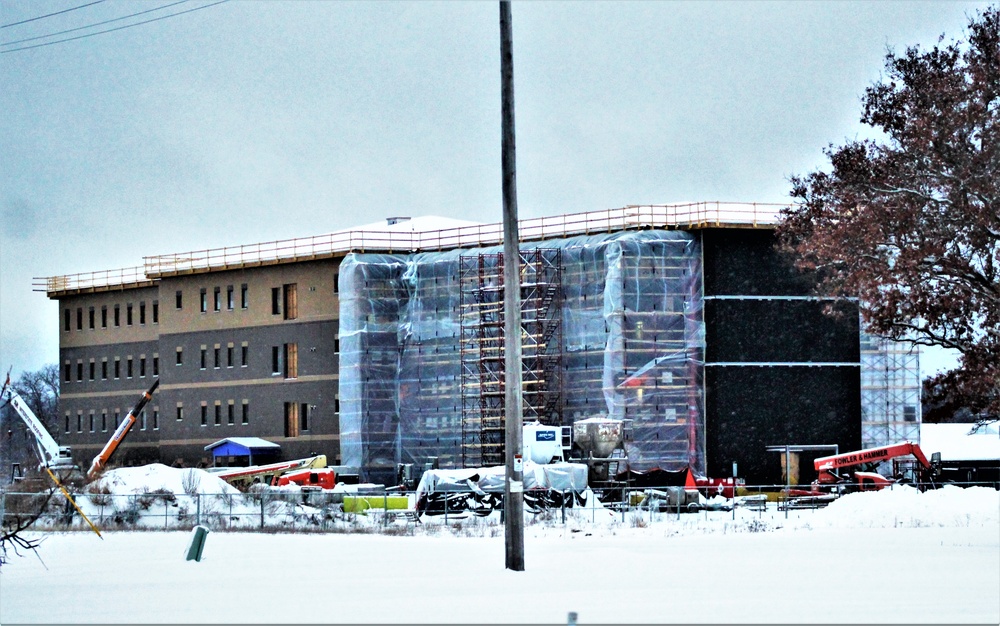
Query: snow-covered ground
{"points": [[876, 557]]}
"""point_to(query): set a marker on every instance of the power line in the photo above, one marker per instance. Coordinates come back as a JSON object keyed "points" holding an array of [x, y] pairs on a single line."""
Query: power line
{"points": [[40, 17], [70, 30], [111, 30]]}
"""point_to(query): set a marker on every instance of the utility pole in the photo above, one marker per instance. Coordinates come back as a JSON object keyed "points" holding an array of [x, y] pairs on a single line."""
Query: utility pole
{"points": [[513, 501]]}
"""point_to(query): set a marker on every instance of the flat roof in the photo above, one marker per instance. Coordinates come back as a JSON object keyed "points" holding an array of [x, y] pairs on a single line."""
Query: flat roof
{"points": [[416, 234]]}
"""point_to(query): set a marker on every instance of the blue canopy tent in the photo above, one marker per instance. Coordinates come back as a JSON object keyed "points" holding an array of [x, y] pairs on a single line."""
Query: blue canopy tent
{"points": [[256, 450]]}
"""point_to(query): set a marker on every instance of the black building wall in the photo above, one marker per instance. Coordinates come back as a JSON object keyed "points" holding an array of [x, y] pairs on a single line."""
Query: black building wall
{"points": [[778, 370]]}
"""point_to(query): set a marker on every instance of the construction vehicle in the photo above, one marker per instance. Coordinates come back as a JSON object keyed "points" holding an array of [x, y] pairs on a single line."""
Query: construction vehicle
{"points": [[861, 463], [316, 478], [243, 477], [101, 460], [50, 454]]}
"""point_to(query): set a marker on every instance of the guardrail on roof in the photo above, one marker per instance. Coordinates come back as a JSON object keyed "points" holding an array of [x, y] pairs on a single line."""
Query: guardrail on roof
{"points": [[92, 281], [689, 215]]}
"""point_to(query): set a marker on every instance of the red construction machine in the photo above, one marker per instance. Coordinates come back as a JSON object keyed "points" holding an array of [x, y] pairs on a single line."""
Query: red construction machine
{"points": [[858, 467]]}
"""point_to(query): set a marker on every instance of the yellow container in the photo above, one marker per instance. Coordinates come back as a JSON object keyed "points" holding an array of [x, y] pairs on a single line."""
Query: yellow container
{"points": [[360, 504]]}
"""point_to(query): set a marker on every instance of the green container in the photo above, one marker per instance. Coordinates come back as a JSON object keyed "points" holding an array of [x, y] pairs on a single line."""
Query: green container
{"points": [[198, 536]]}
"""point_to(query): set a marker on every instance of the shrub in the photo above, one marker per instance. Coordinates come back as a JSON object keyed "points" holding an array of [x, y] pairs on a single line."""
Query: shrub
{"points": [[190, 481]]}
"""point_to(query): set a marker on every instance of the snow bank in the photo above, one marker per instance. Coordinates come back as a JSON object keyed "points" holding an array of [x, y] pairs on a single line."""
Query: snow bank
{"points": [[906, 506], [132, 480]]}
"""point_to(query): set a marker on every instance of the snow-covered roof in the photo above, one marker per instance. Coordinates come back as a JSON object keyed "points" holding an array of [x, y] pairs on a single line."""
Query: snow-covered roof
{"points": [[955, 443]]}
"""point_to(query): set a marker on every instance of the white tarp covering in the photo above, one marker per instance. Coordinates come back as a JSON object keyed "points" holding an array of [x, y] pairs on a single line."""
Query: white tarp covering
{"points": [[555, 476]]}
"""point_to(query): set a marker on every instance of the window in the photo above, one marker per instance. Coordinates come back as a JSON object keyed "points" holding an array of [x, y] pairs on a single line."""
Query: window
{"points": [[246, 412], [180, 411], [218, 414], [229, 355], [336, 403], [67, 372], [142, 420], [156, 311], [79, 422], [180, 356], [229, 297], [291, 419], [304, 416], [67, 316], [275, 300], [218, 358], [179, 300], [156, 418], [909, 413], [142, 313], [128, 367], [92, 369], [118, 368], [118, 417], [128, 314], [104, 421], [156, 365], [204, 357], [67, 422], [244, 354], [204, 300], [91, 421], [291, 360], [204, 414], [142, 366], [244, 292], [104, 369], [217, 299], [336, 283], [90, 318], [275, 360], [79, 318], [118, 315], [336, 344], [79, 371], [104, 316], [231, 408], [291, 301]]}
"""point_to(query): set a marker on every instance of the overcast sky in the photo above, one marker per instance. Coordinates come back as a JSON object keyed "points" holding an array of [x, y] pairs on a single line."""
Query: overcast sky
{"points": [[251, 121]]}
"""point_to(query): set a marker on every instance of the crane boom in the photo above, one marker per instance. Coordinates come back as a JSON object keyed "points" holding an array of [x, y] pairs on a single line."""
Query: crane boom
{"points": [[872, 455], [50, 453], [119, 435]]}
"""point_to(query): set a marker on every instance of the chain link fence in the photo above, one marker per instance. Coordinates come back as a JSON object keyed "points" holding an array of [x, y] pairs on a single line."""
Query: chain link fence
{"points": [[326, 511]]}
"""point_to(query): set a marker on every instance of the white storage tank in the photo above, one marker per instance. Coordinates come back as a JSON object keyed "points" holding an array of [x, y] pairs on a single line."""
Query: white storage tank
{"points": [[541, 444]]}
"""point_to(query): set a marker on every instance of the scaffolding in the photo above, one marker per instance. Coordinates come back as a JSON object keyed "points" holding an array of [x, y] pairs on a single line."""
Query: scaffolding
{"points": [[612, 328], [890, 392], [483, 355]]}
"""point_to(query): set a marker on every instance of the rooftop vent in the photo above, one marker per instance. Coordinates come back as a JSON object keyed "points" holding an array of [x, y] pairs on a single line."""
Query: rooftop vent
{"points": [[396, 220]]}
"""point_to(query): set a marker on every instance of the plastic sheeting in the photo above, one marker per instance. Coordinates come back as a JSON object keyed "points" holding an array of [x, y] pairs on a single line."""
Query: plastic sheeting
{"points": [[556, 476], [632, 344]]}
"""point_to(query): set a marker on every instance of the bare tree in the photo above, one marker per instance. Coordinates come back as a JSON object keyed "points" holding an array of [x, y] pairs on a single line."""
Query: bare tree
{"points": [[12, 530], [40, 391]]}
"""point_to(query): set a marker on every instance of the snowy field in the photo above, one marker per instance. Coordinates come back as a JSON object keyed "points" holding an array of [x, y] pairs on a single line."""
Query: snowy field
{"points": [[897, 556]]}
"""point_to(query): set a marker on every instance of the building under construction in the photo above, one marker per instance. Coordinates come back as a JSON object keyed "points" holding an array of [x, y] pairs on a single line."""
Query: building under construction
{"points": [[383, 345]]}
